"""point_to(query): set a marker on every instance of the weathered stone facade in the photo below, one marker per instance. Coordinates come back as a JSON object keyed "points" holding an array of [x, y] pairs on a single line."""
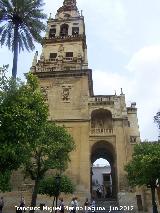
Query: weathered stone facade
{"points": [[102, 126]]}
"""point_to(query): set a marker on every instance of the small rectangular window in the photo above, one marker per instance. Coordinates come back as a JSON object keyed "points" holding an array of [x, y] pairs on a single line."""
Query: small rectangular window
{"points": [[75, 30], [52, 32], [53, 55], [69, 54]]}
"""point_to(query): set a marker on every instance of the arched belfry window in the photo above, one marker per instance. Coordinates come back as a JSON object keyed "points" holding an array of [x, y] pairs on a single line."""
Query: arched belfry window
{"points": [[52, 32], [64, 30]]}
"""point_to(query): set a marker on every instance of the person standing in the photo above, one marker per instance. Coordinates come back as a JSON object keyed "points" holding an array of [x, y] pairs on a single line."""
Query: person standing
{"points": [[22, 205], [86, 205], [93, 204], [76, 204], [61, 205], [1, 204], [73, 205]]}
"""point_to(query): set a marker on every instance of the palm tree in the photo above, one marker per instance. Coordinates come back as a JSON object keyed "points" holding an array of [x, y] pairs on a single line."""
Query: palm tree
{"points": [[20, 25]]}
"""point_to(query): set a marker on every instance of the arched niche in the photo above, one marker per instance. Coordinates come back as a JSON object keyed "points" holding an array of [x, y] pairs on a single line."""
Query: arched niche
{"points": [[64, 30], [101, 119]]}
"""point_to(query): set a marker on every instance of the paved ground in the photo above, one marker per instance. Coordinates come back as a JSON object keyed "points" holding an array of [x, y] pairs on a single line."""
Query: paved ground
{"points": [[103, 206], [112, 207]]}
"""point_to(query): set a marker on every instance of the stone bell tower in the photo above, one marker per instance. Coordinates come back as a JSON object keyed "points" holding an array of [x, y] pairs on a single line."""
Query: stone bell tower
{"points": [[101, 125], [64, 47], [66, 83]]}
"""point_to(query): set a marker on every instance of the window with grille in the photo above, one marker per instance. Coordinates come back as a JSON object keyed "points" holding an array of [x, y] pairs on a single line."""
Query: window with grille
{"points": [[69, 54], [75, 30], [64, 30], [53, 55]]}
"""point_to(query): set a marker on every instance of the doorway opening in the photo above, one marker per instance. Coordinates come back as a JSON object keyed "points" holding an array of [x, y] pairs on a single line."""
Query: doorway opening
{"points": [[103, 171], [101, 179]]}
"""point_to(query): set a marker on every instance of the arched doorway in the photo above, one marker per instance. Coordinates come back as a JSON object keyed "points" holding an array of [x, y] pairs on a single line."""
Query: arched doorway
{"points": [[106, 175]]}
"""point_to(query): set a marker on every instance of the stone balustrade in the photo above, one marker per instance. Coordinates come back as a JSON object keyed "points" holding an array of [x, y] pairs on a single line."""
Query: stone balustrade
{"points": [[102, 100], [101, 131]]}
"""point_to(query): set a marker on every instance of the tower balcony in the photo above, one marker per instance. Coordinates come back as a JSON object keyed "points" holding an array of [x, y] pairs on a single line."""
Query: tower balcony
{"points": [[69, 59], [101, 132], [51, 60], [63, 38], [102, 100]]}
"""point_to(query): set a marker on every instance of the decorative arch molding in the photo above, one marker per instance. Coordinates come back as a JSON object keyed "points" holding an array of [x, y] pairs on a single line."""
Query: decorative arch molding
{"points": [[103, 149], [111, 110]]}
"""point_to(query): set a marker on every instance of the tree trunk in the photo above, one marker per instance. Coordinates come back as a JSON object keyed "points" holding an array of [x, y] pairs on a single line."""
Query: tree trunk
{"points": [[56, 204], [53, 204], [15, 52], [34, 195], [154, 200]]}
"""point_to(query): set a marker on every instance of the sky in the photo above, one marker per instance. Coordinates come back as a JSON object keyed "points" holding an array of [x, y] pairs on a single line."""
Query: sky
{"points": [[123, 38]]}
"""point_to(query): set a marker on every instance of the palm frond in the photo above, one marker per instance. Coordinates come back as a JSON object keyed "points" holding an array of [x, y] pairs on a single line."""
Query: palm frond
{"points": [[28, 16]]}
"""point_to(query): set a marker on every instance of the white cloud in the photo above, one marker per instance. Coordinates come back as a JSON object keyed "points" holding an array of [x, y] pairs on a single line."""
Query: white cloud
{"points": [[106, 82], [145, 68], [140, 83]]}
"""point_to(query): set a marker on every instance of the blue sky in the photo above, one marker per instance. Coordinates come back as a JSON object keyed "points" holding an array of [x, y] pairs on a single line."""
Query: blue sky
{"points": [[123, 38]]}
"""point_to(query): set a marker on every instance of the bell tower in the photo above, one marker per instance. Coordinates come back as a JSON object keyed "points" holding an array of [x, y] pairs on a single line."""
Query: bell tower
{"points": [[64, 46]]}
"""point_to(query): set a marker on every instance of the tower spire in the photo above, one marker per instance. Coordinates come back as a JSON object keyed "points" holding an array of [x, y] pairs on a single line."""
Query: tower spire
{"points": [[68, 5]]}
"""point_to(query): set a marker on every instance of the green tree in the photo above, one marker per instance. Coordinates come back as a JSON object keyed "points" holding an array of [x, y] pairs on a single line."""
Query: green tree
{"points": [[144, 168], [23, 113], [20, 25], [50, 151], [157, 121], [48, 186], [5, 181]]}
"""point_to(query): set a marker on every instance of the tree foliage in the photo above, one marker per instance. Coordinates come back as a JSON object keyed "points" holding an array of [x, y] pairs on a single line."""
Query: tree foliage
{"points": [[48, 186], [50, 151], [144, 168], [20, 25], [22, 116], [157, 121], [26, 137], [5, 181]]}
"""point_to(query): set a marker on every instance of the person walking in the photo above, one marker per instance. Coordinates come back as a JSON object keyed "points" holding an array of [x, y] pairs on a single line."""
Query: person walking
{"points": [[1, 204], [86, 205], [73, 205], [21, 206], [76, 203], [61, 205], [93, 204]]}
